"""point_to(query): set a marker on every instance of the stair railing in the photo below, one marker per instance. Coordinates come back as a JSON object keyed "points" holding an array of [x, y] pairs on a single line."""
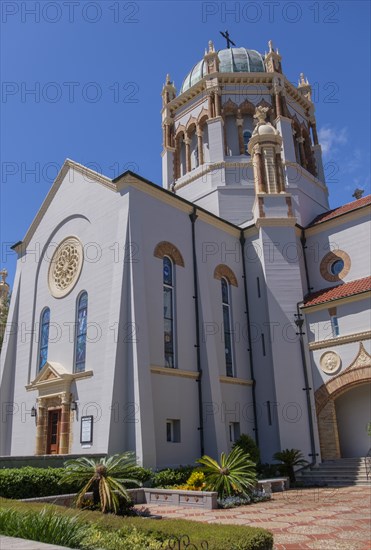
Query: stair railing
{"points": [[368, 463]]}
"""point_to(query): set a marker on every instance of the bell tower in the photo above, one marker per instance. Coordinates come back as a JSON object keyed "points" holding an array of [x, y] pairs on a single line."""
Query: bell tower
{"points": [[238, 128]]}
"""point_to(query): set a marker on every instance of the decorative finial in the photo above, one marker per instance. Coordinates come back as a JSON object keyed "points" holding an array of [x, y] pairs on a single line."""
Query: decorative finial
{"points": [[270, 44], [168, 81], [261, 114], [358, 193], [211, 46]]}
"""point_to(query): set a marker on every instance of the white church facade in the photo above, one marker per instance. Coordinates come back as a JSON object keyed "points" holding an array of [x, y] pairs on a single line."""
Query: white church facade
{"points": [[170, 320]]}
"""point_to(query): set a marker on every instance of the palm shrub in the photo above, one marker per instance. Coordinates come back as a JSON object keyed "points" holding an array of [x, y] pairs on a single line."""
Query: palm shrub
{"points": [[290, 458], [234, 474], [105, 477], [248, 445]]}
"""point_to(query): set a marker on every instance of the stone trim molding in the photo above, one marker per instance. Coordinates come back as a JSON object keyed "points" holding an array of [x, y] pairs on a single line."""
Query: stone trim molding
{"points": [[164, 248], [175, 372], [340, 340], [329, 259], [223, 271], [237, 381]]}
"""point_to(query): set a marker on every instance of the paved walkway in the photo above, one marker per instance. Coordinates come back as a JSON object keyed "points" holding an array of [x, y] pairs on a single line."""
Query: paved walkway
{"points": [[316, 519], [10, 543]]}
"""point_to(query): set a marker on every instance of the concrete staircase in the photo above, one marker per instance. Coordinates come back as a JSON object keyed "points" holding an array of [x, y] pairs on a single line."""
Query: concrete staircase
{"points": [[336, 473]]}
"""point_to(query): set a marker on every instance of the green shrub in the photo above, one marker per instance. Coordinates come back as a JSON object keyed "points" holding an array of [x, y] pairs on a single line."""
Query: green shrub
{"points": [[170, 476], [123, 539], [219, 537], [29, 482], [248, 445], [266, 470], [45, 526], [290, 458], [234, 474]]}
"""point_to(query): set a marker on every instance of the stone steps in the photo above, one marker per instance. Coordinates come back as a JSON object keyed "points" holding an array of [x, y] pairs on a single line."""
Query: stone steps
{"points": [[345, 471]]}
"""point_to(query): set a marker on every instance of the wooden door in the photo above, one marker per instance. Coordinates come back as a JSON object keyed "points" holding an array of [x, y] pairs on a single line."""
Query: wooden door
{"points": [[54, 424]]}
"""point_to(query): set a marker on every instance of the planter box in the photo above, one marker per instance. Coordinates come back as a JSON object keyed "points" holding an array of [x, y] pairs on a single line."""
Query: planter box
{"points": [[193, 499]]}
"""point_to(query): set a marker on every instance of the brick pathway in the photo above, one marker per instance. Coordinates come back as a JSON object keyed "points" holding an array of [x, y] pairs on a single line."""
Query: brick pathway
{"points": [[302, 519]]}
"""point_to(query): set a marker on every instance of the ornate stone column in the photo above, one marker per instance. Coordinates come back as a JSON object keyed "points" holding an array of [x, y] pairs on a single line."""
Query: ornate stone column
{"points": [[239, 124], [210, 104], [41, 427], [279, 173], [259, 172], [200, 145], [187, 143], [217, 102], [65, 424]]}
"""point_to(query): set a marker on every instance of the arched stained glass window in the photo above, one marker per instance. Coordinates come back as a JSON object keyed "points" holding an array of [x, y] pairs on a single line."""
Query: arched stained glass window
{"points": [[44, 337], [81, 330], [246, 139], [169, 291], [227, 327]]}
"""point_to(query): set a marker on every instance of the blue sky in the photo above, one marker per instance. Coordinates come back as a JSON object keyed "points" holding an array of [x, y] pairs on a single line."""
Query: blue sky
{"points": [[97, 69]]}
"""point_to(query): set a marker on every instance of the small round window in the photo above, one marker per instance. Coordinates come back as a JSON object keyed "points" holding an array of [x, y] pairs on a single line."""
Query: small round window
{"points": [[337, 267]]}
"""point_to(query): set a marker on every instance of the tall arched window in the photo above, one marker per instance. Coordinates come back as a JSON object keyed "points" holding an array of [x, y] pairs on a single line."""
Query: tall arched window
{"points": [[44, 337], [81, 329], [246, 139], [169, 292], [227, 327]]}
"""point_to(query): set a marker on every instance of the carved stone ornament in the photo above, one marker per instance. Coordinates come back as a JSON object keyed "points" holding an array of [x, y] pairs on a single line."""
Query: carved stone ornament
{"points": [[65, 267], [330, 362]]}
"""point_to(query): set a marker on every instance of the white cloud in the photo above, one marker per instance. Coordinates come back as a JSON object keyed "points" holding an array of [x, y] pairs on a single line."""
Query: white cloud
{"points": [[331, 138]]}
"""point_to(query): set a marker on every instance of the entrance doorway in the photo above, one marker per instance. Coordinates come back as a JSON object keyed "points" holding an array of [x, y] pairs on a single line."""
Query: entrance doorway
{"points": [[54, 424]]}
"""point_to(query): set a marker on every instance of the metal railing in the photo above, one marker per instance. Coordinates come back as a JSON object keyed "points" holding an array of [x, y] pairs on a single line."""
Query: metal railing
{"points": [[183, 542], [368, 463]]}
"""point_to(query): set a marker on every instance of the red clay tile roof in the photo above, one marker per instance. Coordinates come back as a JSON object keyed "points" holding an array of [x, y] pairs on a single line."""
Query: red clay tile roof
{"points": [[364, 201], [339, 291]]}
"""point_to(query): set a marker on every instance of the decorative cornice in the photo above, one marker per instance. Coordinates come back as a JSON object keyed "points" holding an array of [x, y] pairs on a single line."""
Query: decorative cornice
{"points": [[175, 372], [340, 340], [236, 381]]}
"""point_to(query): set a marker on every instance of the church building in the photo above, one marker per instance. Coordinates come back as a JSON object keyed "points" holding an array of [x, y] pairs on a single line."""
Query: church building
{"points": [[170, 320]]}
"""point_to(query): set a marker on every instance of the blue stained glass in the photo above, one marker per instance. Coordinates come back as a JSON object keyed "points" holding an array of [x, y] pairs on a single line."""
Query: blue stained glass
{"points": [[168, 271], [337, 266], [168, 312], [44, 337], [227, 328], [225, 298], [81, 330]]}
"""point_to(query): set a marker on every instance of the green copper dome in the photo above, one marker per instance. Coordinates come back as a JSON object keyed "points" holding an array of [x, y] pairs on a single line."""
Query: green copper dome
{"points": [[232, 60]]}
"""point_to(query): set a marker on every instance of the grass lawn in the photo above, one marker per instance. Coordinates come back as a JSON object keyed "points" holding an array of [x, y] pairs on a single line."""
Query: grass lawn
{"points": [[218, 537]]}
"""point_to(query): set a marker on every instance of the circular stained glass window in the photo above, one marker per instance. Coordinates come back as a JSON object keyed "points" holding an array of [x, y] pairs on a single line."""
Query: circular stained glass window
{"points": [[337, 267], [65, 267]]}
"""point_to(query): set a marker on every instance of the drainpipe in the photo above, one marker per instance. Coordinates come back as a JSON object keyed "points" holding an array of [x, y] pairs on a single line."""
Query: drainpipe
{"points": [[193, 217], [242, 243], [303, 242], [299, 321]]}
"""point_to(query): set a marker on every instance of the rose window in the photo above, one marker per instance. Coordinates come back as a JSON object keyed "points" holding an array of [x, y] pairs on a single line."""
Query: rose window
{"points": [[65, 267]]}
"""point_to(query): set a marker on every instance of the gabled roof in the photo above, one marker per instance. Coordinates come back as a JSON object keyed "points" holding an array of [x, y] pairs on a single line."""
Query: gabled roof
{"points": [[349, 207], [128, 177], [339, 291]]}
